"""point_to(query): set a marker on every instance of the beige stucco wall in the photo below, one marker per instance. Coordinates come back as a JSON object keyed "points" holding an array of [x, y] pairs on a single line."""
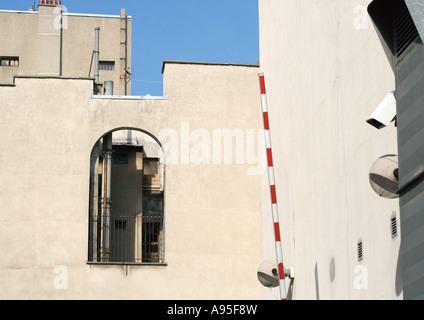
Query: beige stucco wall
{"points": [[77, 50], [11, 25], [49, 127], [326, 72], [35, 37]]}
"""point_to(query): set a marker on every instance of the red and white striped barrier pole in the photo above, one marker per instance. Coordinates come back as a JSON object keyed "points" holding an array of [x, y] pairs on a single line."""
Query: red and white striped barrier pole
{"points": [[271, 179]]}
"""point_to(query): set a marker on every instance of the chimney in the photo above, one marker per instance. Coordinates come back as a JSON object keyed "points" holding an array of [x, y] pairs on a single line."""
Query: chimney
{"points": [[49, 38], [50, 2]]}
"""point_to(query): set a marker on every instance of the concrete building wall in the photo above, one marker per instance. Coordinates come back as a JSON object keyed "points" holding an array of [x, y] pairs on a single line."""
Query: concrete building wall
{"points": [[24, 47], [53, 42], [77, 50], [326, 72], [212, 217]]}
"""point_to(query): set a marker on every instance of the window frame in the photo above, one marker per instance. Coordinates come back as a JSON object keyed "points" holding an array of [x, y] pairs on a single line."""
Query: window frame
{"points": [[106, 65], [6, 61], [133, 235]]}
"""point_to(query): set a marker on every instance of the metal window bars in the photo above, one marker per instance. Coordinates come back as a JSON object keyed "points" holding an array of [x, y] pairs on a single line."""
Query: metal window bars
{"points": [[131, 239]]}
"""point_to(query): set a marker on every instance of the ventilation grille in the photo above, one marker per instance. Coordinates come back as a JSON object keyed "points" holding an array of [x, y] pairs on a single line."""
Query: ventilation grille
{"points": [[360, 251], [393, 226], [406, 32]]}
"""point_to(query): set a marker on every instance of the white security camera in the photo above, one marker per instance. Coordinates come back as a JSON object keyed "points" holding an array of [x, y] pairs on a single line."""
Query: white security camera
{"points": [[385, 112]]}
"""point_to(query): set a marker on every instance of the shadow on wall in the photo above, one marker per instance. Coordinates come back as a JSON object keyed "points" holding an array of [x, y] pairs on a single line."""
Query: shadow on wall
{"points": [[290, 290], [316, 281], [397, 280], [398, 277]]}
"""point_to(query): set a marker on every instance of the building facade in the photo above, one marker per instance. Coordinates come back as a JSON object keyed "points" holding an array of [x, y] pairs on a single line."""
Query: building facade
{"points": [[326, 72], [112, 196], [400, 26], [54, 42], [210, 239], [116, 196]]}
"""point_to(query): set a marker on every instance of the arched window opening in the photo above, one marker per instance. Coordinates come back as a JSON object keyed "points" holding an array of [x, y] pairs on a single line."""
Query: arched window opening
{"points": [[126, 215]]}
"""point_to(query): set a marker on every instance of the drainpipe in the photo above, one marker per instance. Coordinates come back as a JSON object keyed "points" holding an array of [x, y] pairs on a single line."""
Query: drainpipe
{"points": [[126, 54], [124, 50], [61, 43], [106, 196], [96, 54]]}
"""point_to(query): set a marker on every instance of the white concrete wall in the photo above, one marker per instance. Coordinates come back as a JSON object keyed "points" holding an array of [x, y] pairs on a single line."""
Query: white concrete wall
{"points": [[212, 216], [326, 72]]}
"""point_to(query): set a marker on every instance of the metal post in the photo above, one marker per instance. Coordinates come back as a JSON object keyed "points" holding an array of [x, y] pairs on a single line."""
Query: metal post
{"points": [[271, 179]]}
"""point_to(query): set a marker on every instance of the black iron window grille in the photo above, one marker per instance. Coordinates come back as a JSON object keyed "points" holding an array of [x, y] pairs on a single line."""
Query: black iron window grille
{"points": [[128, 239]]}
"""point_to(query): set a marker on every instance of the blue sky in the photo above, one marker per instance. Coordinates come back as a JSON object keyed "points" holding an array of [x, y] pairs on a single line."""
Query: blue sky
{"points": [[189, 30]]}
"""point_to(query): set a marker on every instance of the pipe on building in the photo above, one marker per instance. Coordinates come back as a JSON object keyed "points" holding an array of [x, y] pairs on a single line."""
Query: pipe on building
{"points": [[126, 53], [106, 196], [96, 53], [61, 42], [124, 49]]}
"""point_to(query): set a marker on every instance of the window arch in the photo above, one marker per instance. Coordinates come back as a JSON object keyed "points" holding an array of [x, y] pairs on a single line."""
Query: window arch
{"points": [[126, 211]]}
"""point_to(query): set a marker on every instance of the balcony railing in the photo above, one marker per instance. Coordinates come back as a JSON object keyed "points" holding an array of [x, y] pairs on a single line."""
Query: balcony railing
{"points": [[127, 239]]}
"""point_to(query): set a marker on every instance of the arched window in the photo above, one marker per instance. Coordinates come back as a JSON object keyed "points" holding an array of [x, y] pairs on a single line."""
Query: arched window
{"points": [[126, 214]]}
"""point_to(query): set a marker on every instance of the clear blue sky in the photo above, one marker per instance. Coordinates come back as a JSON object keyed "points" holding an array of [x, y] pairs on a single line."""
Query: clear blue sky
{"points": [[189, 30]]}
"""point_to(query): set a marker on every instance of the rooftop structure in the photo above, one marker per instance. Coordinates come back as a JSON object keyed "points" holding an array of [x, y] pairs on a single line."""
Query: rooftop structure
{"points": [[54, 42]]}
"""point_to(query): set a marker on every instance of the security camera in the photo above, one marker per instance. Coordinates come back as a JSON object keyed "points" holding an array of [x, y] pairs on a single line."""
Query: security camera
{"points": [[385, 112]]}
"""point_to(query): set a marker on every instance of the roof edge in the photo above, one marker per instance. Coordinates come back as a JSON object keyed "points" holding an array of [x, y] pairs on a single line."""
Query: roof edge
{"points": [[69, 14], [208, 64], [52, 77]]}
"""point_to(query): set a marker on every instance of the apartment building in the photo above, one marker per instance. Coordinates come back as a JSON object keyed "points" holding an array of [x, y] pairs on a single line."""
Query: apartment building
{"points": [[54, 42], [112, 196]]}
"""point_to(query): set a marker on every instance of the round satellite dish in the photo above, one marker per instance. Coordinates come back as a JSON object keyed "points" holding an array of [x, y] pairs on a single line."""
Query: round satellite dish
{"points": [[384, 177], [268, 274]]}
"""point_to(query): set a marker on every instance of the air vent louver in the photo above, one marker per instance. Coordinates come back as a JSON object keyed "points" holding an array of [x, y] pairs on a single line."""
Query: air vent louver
{"points": [[393, 225], [405, 31], [360, 251]]}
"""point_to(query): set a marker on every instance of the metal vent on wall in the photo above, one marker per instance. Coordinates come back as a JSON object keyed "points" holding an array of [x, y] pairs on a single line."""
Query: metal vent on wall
{"points": [[405, 30], [393, 226], [360, 251]]}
